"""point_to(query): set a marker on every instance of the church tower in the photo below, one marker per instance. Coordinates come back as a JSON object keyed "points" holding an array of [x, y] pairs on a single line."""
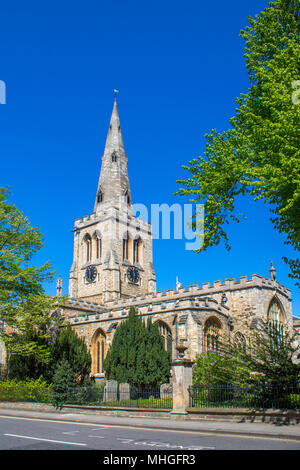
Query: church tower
{"points": [[112, 249]]}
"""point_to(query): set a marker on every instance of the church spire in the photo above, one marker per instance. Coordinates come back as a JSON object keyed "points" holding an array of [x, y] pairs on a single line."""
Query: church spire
{"points": [[114, 140], [113, 187]]}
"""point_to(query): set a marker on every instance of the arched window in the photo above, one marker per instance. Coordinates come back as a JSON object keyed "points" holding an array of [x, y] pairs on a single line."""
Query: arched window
{"points": [[166, 335], [126, 244], [97, 244], [212, 333], [276, 323], [137, 245], [240, 341], [98, 352], [88, 247], [275, 313], [114, 157]]}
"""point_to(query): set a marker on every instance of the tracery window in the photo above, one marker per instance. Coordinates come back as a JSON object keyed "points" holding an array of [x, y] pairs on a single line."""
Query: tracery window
{"points": [[240, 341], [275, 313], [137, 244], [97, 244], [125, 248], [276, 322], [212, 334], [166, 334], [88, 247], [98, 352]]}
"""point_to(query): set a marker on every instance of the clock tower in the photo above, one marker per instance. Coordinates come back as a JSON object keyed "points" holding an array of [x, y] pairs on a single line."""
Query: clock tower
{"points": [[112, 248]]}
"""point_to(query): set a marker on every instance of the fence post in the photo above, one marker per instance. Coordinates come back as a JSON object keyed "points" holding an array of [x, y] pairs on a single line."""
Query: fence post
{"points": [[182, 380]]}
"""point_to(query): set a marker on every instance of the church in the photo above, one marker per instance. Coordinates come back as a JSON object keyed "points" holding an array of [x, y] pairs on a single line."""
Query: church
{"points": [[113, 270]]}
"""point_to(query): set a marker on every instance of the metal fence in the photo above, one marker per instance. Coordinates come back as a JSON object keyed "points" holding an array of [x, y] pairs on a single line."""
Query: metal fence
{"points": [[135, 398], [245, 396]]}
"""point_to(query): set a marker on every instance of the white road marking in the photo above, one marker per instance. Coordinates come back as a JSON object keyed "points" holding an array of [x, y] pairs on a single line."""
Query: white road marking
{"points": [[99, 437], [70, 432], [46, 440]]}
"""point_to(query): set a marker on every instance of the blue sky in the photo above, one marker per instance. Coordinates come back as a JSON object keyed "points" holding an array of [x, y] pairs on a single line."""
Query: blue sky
{"points": [[179, 67]]}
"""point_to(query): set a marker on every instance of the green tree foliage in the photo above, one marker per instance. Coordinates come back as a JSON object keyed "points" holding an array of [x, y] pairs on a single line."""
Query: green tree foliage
{"points": [[68, 346], [137, 355], [62, 384], [270, 357], [266, 361], [26, 313], [221, 368], [259, 154]]}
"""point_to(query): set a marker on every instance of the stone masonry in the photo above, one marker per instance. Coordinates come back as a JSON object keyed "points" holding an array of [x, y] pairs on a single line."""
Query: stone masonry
{"points": [[113, 270]]}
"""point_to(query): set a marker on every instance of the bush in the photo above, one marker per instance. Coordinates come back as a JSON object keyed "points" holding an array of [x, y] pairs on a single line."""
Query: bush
{"points": [[33, 390], [63, 384]]}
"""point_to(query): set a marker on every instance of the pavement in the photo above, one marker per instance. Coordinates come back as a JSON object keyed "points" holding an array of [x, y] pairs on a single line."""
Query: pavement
{"points": [[170, 422]]}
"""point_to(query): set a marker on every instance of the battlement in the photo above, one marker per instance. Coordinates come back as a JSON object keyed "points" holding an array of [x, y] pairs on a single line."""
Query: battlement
{"points": [[128, 219], [193, 297], [230, 284]]}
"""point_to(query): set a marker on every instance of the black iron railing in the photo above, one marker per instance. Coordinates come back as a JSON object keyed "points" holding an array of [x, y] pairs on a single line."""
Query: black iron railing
{"points": [[133, 398], [245, 396]]}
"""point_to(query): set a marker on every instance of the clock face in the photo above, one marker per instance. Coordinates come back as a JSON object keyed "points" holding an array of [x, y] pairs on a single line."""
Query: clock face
{"points": [[133, 275], [90, 273]]}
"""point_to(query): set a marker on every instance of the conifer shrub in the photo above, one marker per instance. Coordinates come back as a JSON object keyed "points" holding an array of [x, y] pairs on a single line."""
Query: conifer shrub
{"points": [[63, 384], [137, 355]]}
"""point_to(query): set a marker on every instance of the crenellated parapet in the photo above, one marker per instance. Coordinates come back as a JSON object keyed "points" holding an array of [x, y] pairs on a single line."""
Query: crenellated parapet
{"points": [[126, 219]]}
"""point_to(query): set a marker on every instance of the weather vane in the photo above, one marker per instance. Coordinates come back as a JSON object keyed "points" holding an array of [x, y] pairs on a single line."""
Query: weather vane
{"points": [[115, 93]]}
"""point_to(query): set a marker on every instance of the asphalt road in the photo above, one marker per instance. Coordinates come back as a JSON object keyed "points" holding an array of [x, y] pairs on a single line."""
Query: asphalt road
{"points": [[18, 433]]}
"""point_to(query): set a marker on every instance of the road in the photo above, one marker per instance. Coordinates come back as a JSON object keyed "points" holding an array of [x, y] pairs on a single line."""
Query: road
{"points": [[19, 433]]}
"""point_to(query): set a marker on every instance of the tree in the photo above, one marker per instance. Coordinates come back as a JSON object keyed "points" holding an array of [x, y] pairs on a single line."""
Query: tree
{"points": [[270, 357], [267, 361], [26, 313], [259, 154], [137, 355], [62, 384], [221, 368], [153, 362], [68, 346]]}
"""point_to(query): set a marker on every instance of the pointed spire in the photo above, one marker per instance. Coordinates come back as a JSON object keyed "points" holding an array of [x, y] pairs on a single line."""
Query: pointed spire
{"points": [[113, 187], [114, 140], [272, 272], [59, 287]]}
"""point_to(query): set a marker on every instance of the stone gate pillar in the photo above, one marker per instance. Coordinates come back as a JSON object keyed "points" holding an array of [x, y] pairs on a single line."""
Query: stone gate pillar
{"points": [[181, 379]]}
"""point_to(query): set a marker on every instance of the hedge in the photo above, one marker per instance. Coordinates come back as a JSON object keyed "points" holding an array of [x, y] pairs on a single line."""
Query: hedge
{"points": [[33, 390]]}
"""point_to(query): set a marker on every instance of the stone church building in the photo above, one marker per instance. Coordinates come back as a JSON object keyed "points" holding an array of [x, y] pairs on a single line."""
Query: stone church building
{"points": [[113, 270]]}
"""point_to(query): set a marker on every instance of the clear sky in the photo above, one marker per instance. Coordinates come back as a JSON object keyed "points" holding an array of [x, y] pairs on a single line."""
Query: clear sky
{"points": [[179, 67]]}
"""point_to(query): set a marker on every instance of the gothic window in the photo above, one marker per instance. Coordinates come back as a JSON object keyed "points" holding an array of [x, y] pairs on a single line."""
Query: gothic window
{"points": [[88, 247], [275, 313], [166, 335], [114, 157], [125, 248], [98, 244], [98, 352], [276, 323], [212, 333], [127, 242], [137, 244], [240, 341]]}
